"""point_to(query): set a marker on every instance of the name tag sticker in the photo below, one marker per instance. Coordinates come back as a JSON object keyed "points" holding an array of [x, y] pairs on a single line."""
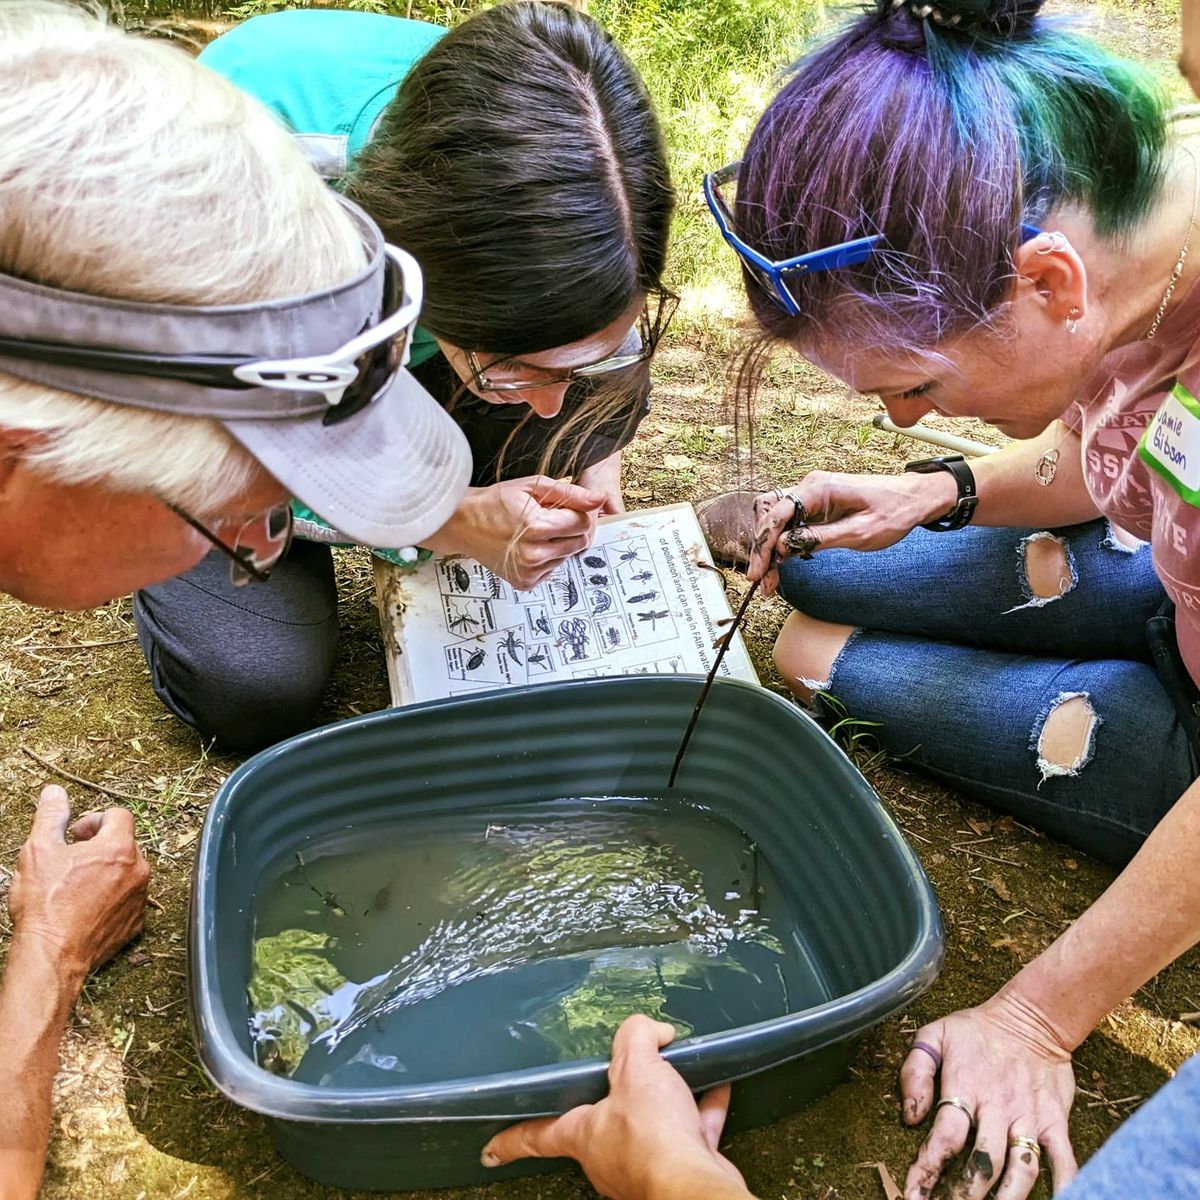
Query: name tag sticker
{"points": [[1171, 443]]}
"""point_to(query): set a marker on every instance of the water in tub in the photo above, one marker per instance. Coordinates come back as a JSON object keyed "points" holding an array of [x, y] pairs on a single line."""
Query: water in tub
{"points": [[466, 944]]}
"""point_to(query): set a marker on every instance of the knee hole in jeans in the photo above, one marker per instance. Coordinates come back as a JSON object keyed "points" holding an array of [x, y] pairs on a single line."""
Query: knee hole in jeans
{"points": [[1048, 569], [1065, 743]]}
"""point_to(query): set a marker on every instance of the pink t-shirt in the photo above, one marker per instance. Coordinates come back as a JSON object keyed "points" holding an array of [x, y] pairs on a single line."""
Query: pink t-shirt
{"points": [[1126, 392]]}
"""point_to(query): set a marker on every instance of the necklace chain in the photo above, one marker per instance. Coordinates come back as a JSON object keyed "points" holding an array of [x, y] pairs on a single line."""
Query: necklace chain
{"points": [[1177, 270]]}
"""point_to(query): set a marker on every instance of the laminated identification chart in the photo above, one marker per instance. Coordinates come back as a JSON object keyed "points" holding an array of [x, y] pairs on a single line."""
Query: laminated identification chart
{"points": [[635, 602]]}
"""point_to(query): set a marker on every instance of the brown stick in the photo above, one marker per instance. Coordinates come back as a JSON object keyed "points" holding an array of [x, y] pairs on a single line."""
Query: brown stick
{"points": [[712, 674], [79, 779]]}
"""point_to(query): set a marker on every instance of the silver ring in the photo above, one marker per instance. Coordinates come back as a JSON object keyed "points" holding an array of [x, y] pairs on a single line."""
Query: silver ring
{"points": [[959, 1103], [800, 516]]}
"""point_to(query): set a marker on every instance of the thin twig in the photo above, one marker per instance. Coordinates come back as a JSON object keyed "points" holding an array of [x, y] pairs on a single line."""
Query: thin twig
{"points": [[79, 645], [712, 674], [79, 779]]}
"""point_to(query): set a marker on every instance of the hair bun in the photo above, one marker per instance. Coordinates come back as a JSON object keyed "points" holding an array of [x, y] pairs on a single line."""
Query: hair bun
{"points": [[997, 18]]}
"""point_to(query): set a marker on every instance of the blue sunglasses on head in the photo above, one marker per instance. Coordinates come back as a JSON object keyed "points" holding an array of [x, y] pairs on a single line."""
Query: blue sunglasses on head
{"points": [[770, 274]]}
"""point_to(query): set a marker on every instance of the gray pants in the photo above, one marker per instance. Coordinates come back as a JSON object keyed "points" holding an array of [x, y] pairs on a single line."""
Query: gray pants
{"points": [[247, 666]]}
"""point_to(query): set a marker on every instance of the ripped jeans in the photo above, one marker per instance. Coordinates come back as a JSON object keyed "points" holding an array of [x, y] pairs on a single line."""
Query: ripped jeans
{"points": [[1012, 665]]}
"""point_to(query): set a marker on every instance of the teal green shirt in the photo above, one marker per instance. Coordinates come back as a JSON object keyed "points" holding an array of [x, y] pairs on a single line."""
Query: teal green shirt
{"points": [[328, 75]]}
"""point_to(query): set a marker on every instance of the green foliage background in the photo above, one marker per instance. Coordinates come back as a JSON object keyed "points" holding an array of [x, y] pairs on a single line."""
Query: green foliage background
{"points": [[711, 66]]}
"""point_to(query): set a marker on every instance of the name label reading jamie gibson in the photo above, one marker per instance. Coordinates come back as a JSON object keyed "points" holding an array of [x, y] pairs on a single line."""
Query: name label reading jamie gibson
{"points": [[1171, 444]]}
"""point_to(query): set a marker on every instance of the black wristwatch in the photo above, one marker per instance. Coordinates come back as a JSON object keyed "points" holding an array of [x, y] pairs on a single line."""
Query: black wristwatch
{"points": [[968, 498]]}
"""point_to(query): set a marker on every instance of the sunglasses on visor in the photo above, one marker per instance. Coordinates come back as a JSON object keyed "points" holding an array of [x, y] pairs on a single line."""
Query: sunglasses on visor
{"points": [[349, 378], [772, 274]]}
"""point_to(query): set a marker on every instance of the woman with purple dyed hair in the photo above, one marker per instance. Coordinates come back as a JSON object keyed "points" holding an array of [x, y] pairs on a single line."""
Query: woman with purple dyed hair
{"points": [[963, 209]]}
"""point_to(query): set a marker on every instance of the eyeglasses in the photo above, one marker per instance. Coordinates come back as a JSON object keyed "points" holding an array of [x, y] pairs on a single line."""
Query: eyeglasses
{"points": [[247, 561], [770, 273], [639, 346], [349, 378]]}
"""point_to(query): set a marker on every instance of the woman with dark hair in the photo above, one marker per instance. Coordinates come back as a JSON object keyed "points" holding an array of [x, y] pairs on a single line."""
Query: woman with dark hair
{"points": [[518, 158], [998, 225]]}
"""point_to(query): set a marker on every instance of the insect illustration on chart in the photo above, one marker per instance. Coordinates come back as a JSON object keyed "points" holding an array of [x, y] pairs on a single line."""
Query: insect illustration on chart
{"points": [[542, 622], [643, 576], [632, 555], [653, 616], [612, 636], [575, 634], [594, 561], [476, 660], [495, 584], [643, 598], [512, 646], [598, 580], [458, 573], [539, 657], [461, 621], [567, 592], [601, 602]]}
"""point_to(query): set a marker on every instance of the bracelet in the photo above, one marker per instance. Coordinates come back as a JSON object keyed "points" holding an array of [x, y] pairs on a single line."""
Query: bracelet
{"points": [[968, 496]]}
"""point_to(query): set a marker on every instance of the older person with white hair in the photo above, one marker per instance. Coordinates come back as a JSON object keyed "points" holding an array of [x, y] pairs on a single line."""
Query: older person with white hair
{"points": [[193, 330]]}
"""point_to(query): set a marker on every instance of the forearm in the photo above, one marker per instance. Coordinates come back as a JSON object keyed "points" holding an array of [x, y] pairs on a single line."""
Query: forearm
{"points": [[1145, 920], [1009, 493], [36, 997]]}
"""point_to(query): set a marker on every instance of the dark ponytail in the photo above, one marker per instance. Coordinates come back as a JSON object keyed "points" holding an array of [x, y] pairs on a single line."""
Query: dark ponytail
{"points": [[522, 164]]}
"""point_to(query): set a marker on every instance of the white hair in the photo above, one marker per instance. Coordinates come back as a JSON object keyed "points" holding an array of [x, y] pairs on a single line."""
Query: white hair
{"points": [[129, 170]]}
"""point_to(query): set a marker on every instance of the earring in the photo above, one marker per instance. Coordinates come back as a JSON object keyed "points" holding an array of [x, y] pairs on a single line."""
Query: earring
{"points": [[1073, 319]]}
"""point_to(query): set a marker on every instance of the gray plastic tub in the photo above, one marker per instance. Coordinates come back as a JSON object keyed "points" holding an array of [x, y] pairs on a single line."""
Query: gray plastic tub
{"points": [[871, 919]]}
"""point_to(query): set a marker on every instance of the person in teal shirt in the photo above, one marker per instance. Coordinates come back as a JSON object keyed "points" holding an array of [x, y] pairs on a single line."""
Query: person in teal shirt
{"points": [[518, 158]]}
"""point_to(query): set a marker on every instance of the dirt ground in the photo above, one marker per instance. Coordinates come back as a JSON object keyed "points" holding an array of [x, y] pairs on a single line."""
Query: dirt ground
{"points": [[134, 1116]]}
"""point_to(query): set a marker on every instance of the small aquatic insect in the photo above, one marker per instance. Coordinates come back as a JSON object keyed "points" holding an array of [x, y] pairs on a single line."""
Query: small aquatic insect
{"points": [[461, 620], [598, 580], [462, 580], [593, 560], [567, 590], [633, 554], [537, 656], [512, 647], [654, 616], [383, 898], [612, 635], [601, 602], [643, 597], [476, 660], [642, 576]]}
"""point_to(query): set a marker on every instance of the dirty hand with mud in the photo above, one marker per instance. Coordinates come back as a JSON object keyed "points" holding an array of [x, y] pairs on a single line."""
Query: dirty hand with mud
{"points": [[648, 1139], [1002, 1065], [521, 529], [854, 512]]}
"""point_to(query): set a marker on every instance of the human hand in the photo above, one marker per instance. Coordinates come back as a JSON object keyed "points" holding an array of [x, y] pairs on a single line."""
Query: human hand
{"points": [[86, 899], [854, 512], [1006, 1064], [648, 1130], [605, 477], [522, 528]]}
